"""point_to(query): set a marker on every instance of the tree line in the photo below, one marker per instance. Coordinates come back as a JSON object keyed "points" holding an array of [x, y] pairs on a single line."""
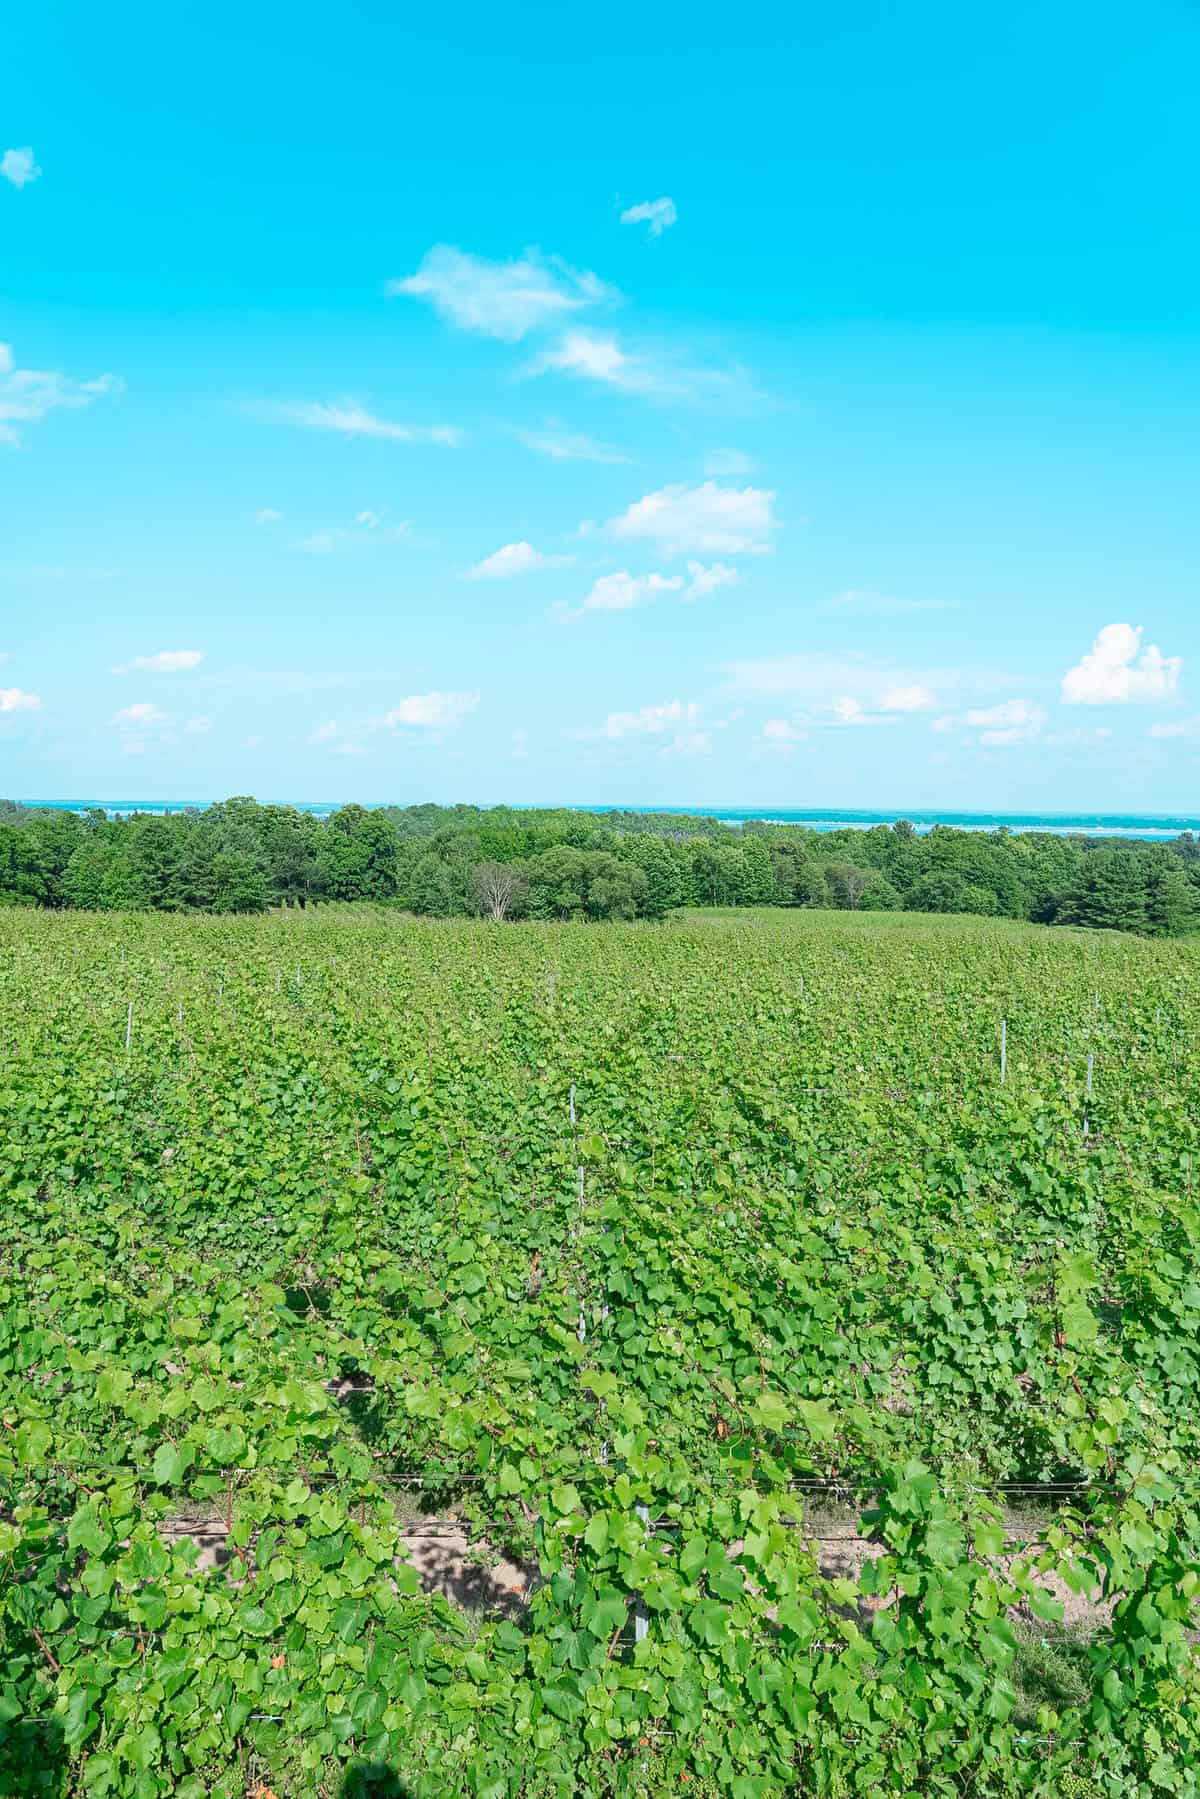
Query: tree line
{"points": [[504, 863]]}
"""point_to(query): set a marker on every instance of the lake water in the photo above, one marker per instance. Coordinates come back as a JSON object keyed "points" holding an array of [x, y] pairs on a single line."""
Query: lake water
{"points": [[1161, 826]]}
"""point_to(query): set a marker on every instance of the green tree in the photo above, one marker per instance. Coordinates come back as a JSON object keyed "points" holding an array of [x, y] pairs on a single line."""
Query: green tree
{"points": [[1171, 900], [664, 888], [847, 883], [429, 887], [615, 889], [239, 882], [1109, 893], [558, 883], [758, 882], [941, 890]]}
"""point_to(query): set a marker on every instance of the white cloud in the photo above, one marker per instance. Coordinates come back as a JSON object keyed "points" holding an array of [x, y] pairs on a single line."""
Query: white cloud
{"points": [[163, 662], [1011, 722], [621, 591], [674, 724], [1184, 727], [28, 395], [500, 299], [728, 462], [349, 418], [324, 733], [651, 721], [197, 726], [15, 699], [847, 711], [680, 520], [1114, 674], [658, 214], [349, 749], [368, 520], [596, 358], [19, 167], [781, 734], [140, 717], [915, 697], [707, 580], [432, 711], [599, 356], [891, 707], [514, 559], [267, 515], [561, 445]]}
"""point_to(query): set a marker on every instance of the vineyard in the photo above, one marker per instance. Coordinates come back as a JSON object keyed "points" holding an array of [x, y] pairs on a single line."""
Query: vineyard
{"points": [[751, 1355]]}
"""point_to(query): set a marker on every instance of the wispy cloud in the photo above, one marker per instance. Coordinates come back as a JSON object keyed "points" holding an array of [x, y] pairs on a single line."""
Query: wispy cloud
{"points": [[600, 357], [1113, 673], [140, 716], [140, 727], [814, 675], [514, 559], [728, 463], [673, 726], [56, 571], [1004, 726], [349, 418], [704, 580], [15, 699], [892, 708], [705, 520], [1183, 727], [506, 300], [1082, 738], [365, 527], [267, 515], [18, 167], [782, 736], [561, 445], [321, 543], [27, 396], [162, 662], [659, 215], [621, 591], [864, 602], [330, 736], [913, 697], [431, 711]]}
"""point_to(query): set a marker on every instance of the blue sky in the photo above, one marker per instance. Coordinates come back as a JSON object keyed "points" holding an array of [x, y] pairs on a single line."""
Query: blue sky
{"points": [[790, 408]]}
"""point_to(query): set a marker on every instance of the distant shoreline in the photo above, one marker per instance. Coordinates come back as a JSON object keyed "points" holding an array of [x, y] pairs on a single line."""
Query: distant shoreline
{"points": [[1161, 825]]}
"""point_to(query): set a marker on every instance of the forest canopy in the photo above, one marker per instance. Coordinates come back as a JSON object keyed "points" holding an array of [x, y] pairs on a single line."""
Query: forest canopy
{"points": [[505, 863]]}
